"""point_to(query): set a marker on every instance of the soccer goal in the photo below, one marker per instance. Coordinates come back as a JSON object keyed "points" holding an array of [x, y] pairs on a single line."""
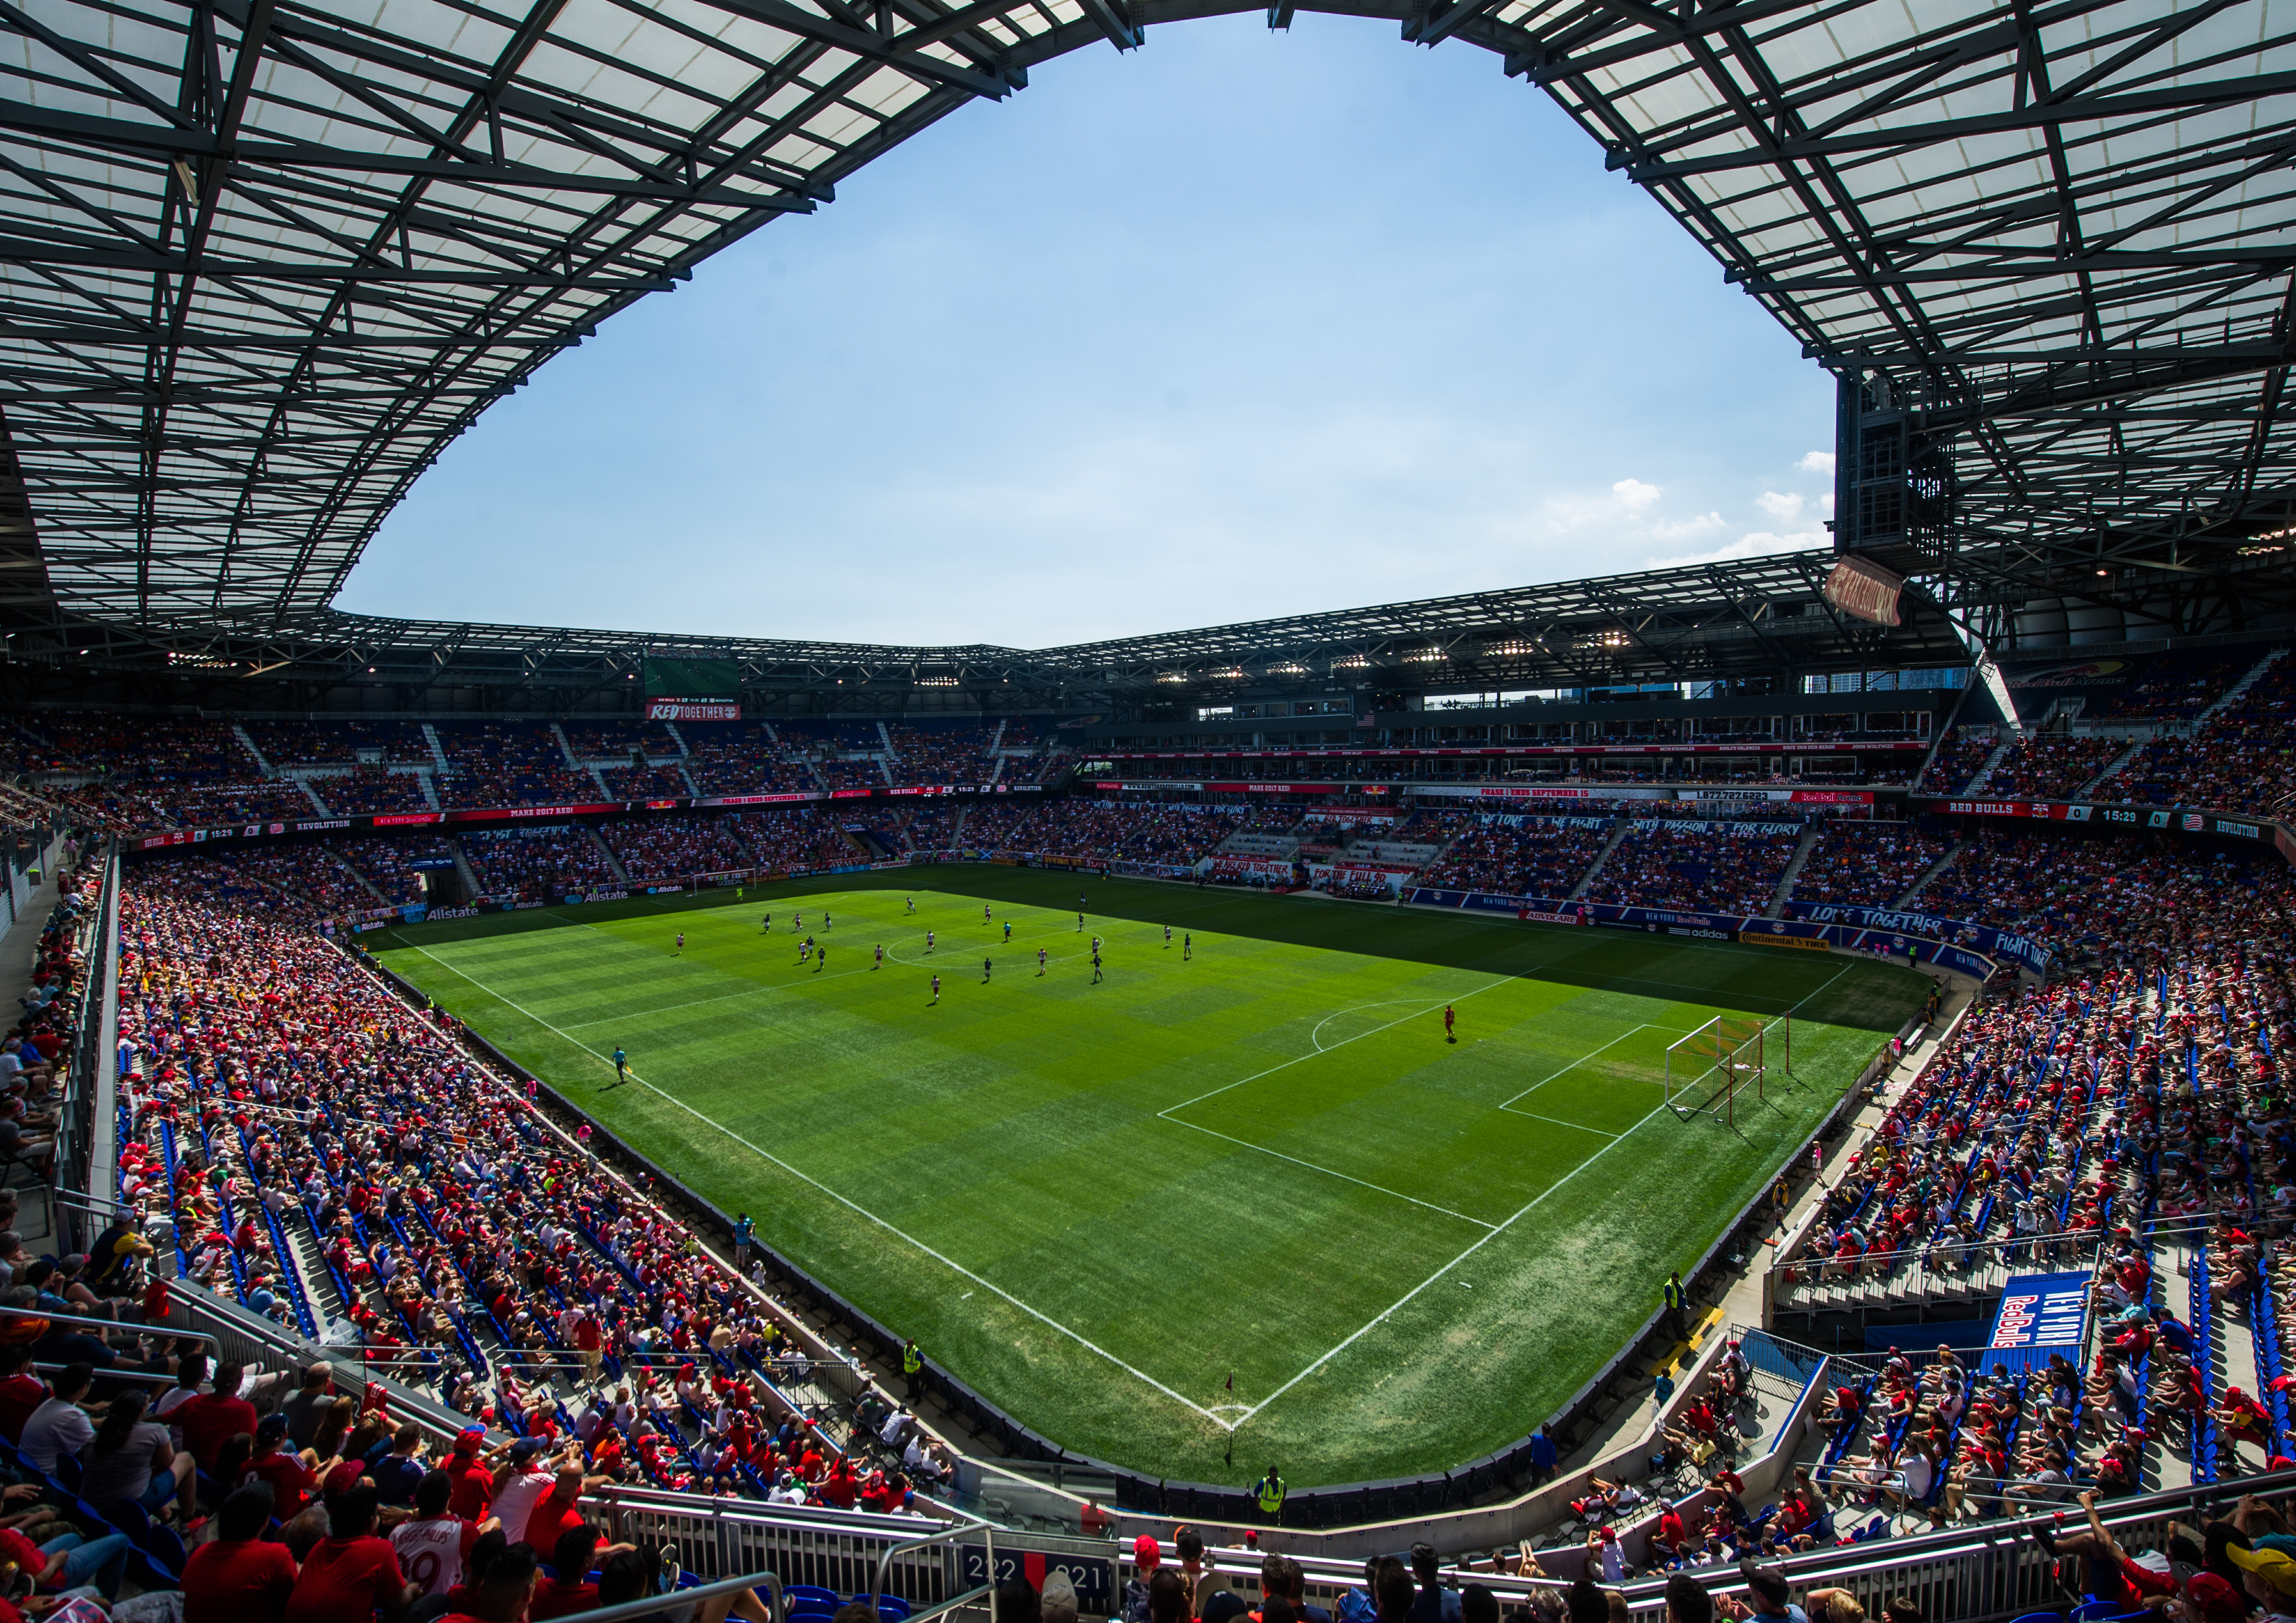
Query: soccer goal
{"points": [[1706, 1070]]}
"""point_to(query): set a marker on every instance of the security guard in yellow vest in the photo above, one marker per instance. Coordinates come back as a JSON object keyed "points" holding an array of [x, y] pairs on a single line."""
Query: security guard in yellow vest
{"points": [[913, 1364], [1270, 1494], [1674, 1298]]}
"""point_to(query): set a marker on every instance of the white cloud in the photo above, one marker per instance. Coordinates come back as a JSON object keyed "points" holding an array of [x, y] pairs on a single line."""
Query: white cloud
{"points": [[1677, 530], [1781, 508], [1755, 544], [1634, 495], [1817, 462]]}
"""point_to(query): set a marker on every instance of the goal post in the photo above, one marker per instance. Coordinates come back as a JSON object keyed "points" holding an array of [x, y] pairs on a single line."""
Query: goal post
{"points": [[1705, 1070]]}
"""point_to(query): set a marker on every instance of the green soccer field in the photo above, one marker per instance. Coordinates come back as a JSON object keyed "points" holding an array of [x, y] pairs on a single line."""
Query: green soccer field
{"points": [[1096, 1203]]}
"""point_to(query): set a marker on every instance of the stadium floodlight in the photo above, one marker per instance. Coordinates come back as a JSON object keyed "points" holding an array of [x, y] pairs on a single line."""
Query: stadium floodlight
{"points": [[1706, 1070]]}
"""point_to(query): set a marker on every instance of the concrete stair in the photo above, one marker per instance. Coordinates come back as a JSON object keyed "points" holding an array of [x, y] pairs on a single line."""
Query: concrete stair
{"points": [[2000, 754], [1794, 865], [1618, 832], [1929, 873]]}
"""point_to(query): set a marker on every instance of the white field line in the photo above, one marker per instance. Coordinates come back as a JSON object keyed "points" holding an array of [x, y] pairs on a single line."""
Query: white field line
{"points": [[854, 1207], [1406, 1299], [647, 1014], [1286, 1065], [1327, 1172], [1559, 1122], [1575, 1064]]}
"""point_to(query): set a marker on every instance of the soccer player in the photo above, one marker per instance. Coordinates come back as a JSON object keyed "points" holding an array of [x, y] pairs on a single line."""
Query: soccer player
{"points": [[929, 940], [824, 918], [1079, 921], [1168, 938], [986, 917], [1008, 929], [739, 891], [805, 949], [1095, 943], [821, 958], [1448, 1017], [912, 900], [1040, 960], [1095, 963], [680, 944], [986, 965], [621, 1067], [797, 921], [936, 989], [881, 957], [1187, 946], [768, 926]]}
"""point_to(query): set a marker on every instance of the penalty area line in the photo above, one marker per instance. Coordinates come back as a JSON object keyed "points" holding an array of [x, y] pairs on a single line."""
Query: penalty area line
{"points": [[856, 1209], [1406, 1299]]}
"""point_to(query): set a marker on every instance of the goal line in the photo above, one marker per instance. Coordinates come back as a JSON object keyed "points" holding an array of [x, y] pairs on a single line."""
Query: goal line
{"points": [[1706, 1071]]}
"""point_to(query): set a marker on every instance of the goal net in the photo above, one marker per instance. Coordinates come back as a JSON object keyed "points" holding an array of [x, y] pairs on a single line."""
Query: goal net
{"points": [[1706, 1070]]}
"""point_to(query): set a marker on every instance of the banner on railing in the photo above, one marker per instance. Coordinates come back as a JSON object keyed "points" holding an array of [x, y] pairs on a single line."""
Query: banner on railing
{"points": [[2041, 1314]]}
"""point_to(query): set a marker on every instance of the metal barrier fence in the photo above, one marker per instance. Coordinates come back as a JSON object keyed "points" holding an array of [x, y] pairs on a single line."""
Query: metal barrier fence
{"points": [[82, 1119]]}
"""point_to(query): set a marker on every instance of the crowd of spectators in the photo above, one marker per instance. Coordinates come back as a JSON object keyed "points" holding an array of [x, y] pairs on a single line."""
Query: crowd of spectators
{"points": [[656, 849], [616, 743], [387, 860], [1096, 831], [1730, 868], [2243, 757], [740, 758], [1533, 856], [2175, 686], [951, 755], [932, 826], [1867, 864], [2088, 895], [2051, 767], [302, 1140], [370, 789], [644, 782], [538, 864], [508, 764], [792, 837], [340, 743], [1956, 761]]}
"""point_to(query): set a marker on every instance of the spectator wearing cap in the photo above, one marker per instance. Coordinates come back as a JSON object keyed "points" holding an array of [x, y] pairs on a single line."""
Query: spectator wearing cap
{"points": [[471, 1473], [1767, 1593], [1057, 1602], [2269, 1577], [1147, 1559], [292, 1482]]}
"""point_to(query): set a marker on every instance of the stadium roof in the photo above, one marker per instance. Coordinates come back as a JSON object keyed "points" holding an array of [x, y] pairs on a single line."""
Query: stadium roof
{"points": [[263, 259], [1762, 618]]}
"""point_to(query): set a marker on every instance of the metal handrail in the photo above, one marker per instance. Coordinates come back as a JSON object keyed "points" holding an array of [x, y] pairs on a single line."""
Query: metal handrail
{"points": [[65, 1318], [972, 1524], [657, 1605]]}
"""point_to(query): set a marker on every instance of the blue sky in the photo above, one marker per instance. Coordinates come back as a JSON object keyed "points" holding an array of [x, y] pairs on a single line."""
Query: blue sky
{"points": [[1240, 323]]}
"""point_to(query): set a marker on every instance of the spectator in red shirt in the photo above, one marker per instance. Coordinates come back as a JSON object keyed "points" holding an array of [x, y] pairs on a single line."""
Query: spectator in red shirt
{"points": [[574, 1556], [213, 1419], [236, 1577], [292, 1482], [470, 1467], [559, 1511], [20, 1391], [352, 1576]]}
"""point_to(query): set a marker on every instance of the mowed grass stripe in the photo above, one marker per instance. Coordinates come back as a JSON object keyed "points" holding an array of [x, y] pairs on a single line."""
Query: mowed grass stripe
{"points": [[1015, 1132]]}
